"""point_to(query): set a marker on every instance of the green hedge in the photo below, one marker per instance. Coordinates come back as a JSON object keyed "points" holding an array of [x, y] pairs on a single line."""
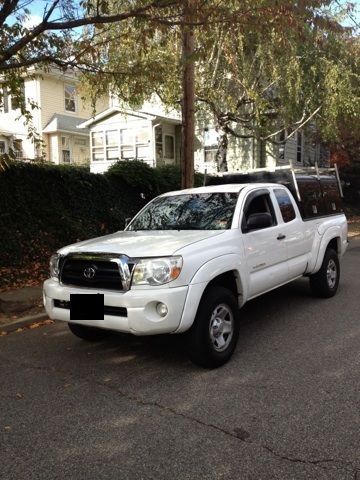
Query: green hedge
{"points": [[44, 207]]}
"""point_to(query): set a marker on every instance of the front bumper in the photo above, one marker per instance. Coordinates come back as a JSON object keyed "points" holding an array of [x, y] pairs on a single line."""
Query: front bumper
{"points": [[142, 317]]}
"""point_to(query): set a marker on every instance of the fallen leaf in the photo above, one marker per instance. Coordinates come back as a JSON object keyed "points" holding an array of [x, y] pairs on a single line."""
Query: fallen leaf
{"points": [[2, 334], [19, 329], [19, 395], [34, 325], [7, 428]]}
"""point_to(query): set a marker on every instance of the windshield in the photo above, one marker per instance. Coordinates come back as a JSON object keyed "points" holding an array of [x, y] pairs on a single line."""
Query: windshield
{"points": [[200, 211]]}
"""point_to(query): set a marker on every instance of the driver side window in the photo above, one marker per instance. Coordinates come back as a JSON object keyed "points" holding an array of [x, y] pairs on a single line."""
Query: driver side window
{"points": [[256, 210]]}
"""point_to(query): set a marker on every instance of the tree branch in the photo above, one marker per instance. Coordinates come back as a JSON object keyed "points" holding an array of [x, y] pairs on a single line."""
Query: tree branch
{"points": [[45, 25]]}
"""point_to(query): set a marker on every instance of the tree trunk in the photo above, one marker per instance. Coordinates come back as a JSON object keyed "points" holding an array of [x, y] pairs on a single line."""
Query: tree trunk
{"points": [[188, 102], [221, 154]]}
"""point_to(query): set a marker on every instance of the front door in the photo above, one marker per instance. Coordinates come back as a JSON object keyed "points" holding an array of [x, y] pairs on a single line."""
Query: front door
{"points": [[265, 250]]}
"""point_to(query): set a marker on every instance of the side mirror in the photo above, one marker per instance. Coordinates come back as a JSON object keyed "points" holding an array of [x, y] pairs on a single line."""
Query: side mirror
{"points": [[256, 221], [127, 221]]}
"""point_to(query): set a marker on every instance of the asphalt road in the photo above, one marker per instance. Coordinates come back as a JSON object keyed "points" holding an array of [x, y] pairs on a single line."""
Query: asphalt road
{"points": [[286, 407]]}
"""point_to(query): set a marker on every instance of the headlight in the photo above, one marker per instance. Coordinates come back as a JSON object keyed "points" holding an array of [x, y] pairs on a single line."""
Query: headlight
{"points": [[54, 266], [156, 271]]}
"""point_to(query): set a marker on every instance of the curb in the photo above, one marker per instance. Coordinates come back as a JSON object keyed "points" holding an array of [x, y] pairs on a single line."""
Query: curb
{"points": [[23, 322]]}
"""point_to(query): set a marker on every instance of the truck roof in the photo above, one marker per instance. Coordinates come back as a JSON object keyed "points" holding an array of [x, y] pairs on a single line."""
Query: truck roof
{"points": [[230, 187]]}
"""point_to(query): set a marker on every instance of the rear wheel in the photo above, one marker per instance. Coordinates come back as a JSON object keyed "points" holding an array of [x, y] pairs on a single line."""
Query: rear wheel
{"points": [[213, 336], [91, 334], [325, 282]]}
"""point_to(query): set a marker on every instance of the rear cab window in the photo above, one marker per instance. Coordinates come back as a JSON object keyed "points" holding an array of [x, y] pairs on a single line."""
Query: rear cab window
{"points": [[285, 204]]}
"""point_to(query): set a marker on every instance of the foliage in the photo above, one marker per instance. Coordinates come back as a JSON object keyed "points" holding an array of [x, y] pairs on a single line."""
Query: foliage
{"points": [[44, 207], [135, 174], [169, 178], [30, 44], [264, 68]]}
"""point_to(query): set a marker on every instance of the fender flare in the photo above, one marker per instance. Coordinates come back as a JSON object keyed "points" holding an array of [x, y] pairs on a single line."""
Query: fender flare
{"points": [[328, 235], [203, 276]]}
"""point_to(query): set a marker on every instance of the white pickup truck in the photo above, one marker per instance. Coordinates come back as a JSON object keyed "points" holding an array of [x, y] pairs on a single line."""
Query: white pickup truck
{"points": [[189, 260]]}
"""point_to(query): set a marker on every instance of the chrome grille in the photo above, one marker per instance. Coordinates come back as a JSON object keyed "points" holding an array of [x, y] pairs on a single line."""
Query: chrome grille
{"points": [[96, 271]]}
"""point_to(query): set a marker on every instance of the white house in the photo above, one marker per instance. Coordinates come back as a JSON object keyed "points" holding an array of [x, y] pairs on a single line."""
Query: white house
{"points": [[60, 110], [154, 136], [117, 134]]}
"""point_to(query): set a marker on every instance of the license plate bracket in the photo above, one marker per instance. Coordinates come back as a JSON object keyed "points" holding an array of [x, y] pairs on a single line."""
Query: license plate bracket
{"points": [[85, 306]]}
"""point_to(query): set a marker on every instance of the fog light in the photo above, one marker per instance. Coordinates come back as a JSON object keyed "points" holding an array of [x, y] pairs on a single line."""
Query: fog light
{"points": [[161, 309]]}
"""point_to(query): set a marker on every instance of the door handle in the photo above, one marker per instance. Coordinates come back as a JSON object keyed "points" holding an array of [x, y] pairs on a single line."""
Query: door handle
{"points": [[281, 236]]}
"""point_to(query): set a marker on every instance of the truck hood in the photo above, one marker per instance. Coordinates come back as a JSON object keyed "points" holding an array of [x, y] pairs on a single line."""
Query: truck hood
{"points": [[142, 243]]}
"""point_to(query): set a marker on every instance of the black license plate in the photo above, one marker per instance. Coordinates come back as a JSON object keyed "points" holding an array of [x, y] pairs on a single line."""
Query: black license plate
{"points": [[85, 306]]}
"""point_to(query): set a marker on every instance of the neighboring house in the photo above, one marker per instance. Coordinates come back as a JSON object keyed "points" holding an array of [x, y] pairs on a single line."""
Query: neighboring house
{"points": [[60, 110], [116, 134], [246, 154], [154, 135]]}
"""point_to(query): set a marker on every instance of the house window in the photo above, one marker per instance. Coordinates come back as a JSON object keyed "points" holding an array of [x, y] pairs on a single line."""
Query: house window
{"points": [[142, 143], [17, 98], [127, 144], [97, 139], [5, 100], [158, 143], [97, 142], [169, 146], [299, 147], [282, 146], [98, 154], [112, 144], [66, 156], [17, 146], [142, 135], [210, 137], [70, 98], [112, 137], [112, 153], [210, 154], [65, 148], [2, 147]]}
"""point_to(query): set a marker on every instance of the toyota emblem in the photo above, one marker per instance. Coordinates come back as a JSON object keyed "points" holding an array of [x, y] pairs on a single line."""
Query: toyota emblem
{"points": [[89, 273]]}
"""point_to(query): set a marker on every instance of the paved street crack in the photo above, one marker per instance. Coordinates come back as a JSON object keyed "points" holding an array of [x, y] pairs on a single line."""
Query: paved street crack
{"points": [[245, 439]]}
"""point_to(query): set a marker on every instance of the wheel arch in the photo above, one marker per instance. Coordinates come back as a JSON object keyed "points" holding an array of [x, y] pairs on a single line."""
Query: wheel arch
{"points": [[224, 271], [330, 239]]}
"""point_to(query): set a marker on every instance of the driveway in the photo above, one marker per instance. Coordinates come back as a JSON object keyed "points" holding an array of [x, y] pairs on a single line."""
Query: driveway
{"points": [[285, 407]]}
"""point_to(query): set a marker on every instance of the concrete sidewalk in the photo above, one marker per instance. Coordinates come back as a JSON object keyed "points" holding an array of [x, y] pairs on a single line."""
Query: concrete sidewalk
{"points": [[20, 307]]}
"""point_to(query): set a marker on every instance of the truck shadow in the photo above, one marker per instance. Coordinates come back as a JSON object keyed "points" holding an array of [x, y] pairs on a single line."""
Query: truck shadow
{"points": [[257, 316]]}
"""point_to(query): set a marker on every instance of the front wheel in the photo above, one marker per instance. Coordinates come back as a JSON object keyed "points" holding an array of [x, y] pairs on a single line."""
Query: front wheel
{"points": [[213, 336], [325, 282], [91, 334]]}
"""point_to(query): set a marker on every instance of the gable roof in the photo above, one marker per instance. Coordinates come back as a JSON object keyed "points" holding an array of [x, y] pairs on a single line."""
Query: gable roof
{"points": [[115, 110], [65, 123]]}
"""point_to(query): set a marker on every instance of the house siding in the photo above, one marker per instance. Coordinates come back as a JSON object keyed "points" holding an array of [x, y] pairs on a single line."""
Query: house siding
{"points": [[52, 99], [47, 91]]}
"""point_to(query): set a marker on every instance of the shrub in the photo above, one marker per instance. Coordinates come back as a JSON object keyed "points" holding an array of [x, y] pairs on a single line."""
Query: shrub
{"points": [[44, 207]]}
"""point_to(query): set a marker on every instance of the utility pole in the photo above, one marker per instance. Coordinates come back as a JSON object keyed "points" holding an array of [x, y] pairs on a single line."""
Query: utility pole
{"points": [[188, 100]]}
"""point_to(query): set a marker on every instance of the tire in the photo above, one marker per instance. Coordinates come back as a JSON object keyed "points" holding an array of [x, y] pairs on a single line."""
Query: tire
{"points": [[325, 282], [209, 346], [91, 334]]}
